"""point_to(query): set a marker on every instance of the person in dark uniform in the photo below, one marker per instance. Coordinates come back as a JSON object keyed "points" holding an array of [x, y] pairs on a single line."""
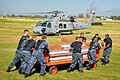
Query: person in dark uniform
{"points": [[92, 52], [83, 38], [16, 61], [107, 49], [77, 57], [26, 54], [38, 55], [96, 35]]}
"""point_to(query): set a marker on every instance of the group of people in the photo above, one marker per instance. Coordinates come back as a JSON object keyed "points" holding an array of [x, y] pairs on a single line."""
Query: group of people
{"points": [[77, 56], [31, 50]]}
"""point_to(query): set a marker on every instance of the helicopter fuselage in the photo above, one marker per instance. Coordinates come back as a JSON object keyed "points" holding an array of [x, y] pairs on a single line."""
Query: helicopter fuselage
{"points": [[57, 24], [48, 27]]}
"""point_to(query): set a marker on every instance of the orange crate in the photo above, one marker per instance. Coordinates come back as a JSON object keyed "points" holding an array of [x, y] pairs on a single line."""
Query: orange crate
{"points": [[67, 40]]}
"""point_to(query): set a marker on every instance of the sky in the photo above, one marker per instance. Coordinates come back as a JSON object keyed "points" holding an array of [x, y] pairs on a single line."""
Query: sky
{"points": [[69, 6]]}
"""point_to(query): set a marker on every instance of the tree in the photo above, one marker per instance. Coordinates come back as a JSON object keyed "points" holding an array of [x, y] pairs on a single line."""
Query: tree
{"points": [[118, 17], [45, 16], [87, 15], [115, 17], [80, 15], [98, 16], [13, 15], [36, 16]]}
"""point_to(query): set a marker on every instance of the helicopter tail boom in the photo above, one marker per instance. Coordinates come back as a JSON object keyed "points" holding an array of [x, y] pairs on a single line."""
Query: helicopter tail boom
{"points": [[91, 19]]}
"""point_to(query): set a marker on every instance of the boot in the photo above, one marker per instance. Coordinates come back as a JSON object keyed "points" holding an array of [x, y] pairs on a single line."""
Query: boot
{"points": [[80, 71], [8, 69], [108, 61], [69, 70], [89, 67], [104, 63], [26, 75], [42, 75], [20, 71]]}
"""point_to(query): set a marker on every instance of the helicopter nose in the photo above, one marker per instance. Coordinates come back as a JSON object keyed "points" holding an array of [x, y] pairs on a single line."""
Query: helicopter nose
{"points": [[34, 30], [43, 30]]}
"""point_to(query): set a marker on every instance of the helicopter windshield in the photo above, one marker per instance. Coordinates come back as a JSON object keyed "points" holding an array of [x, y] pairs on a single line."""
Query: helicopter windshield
{"points": [[39, 24], [44, 23]]}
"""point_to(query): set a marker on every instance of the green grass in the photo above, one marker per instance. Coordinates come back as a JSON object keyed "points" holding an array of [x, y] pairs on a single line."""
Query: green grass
{"points": [[11, 30]]}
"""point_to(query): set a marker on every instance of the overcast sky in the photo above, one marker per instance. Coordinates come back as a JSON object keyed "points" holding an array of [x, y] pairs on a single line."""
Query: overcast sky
{"points": [[69, 6]]}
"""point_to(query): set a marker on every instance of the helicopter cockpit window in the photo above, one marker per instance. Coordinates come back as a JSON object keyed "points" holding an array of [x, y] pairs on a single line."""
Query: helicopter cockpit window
{"points": [[44, 24], [49, 25], [39, 24]]}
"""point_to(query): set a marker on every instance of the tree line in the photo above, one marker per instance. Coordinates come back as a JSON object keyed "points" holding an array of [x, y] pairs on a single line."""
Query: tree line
{"points": [[76, 16], [26, 16]]}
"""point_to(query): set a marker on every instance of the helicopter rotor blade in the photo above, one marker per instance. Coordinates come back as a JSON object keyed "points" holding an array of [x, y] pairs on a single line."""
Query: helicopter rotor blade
{"points": [[50, 12], [92, 8]]}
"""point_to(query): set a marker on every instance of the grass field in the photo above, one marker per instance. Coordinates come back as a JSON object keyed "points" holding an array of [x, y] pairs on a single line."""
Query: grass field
{"points": [[11, 31]]}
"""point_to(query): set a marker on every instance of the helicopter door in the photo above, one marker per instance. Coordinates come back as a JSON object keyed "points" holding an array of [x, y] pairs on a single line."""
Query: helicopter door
{"points": [[49, 28], [65, 26], [60, 26]]}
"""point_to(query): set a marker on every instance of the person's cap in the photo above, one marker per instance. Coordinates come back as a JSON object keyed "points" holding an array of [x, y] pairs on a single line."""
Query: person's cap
{"points": [[81, 33], [97, 34], [107, 35], [26, 30], [44, 37]]}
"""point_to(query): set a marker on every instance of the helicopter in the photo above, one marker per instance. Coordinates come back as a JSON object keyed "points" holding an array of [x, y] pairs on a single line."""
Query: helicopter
{"points": [[56, 24]]}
